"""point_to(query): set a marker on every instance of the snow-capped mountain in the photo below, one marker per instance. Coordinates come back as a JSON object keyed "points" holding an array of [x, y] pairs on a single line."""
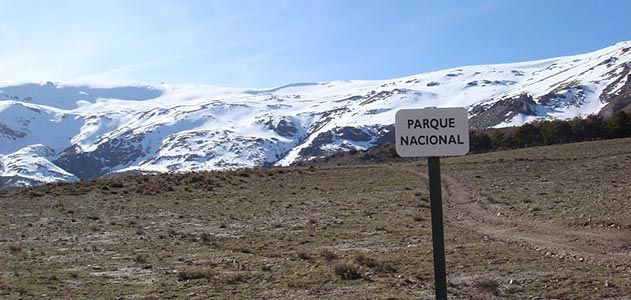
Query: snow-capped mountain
{"points": [[31, 165], [56, 131]]}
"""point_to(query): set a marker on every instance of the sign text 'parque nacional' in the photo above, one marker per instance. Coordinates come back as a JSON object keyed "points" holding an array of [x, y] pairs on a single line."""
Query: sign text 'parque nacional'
{"points": [[432, 132]]}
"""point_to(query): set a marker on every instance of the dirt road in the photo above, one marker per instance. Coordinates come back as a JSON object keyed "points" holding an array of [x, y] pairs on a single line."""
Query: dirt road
{"points": [[602, 246]]}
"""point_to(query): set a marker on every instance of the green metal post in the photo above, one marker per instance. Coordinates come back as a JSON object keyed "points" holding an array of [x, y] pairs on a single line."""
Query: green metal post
{"points": [[438, 236]]}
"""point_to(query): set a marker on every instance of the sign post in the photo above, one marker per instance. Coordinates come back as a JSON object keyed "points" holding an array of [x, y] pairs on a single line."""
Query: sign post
{"points": [[438, 236], [431, 133]]}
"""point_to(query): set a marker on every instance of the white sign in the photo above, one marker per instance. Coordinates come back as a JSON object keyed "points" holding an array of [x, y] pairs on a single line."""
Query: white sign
{"points": [[432, 132]]}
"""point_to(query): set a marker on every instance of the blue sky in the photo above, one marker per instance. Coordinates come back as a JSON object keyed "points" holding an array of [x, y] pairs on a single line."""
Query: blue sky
{"points": [[271, 43]]}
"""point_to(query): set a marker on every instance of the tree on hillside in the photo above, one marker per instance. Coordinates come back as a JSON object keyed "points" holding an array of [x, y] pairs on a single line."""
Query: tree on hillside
{"points": [[588, 129], [528, 135], [593, 127], [479, 142], [498, 140], [556, 132], [618, 125]]}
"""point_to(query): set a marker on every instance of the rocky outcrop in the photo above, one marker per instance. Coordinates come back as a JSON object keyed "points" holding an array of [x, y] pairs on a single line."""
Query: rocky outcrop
{"points": [[285, 127], [11, 133], [489, 115], [619, 99], [347, 138], [115, 152], [621, 102], [96, 130]]}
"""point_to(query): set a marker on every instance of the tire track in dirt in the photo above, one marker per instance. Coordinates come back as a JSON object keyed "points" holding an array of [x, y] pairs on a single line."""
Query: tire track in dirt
{"points": [[464, 209]]}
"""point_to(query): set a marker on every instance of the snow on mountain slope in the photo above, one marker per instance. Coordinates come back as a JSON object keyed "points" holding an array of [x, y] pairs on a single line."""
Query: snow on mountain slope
{"points": [[95, 130], [66, 96], [23, 124], [31, 165]]}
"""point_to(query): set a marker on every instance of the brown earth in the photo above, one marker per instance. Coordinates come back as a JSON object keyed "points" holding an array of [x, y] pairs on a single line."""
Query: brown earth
{"points": [[602, 246], [537, 223]]}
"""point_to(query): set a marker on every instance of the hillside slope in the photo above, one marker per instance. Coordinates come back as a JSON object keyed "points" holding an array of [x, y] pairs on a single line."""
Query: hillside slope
{"points": [[536, 223]]}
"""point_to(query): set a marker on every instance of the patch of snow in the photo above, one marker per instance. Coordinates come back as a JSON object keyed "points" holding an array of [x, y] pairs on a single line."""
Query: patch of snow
{"points": [[203, 127]]}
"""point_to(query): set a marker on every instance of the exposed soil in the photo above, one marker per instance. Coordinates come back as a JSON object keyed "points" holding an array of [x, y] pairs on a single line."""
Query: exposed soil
{"points": [[539, 223], [603, 246]]}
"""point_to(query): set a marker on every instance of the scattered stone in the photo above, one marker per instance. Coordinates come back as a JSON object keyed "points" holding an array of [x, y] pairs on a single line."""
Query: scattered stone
{"points": [[609, 284]]}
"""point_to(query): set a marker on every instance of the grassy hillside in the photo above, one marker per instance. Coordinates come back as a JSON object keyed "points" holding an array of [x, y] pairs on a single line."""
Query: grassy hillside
{"points": [[549, 222]]}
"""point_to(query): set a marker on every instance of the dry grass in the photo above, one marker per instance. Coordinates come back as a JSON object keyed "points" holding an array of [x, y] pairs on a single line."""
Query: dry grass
{"points": [[373, 263], [329, 255], [191, 274], [583, 184], [347, 270], [319, 232], [487, 286]]}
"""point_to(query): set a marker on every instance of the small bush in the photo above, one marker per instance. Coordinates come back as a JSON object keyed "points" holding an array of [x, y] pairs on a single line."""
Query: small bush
{"points": [[206, 238], [140, 258], [347, 270], [14, 248], [329, 254], [36, 194], [266, 268], [366, 260], [197, 177], [371, 262], [235, 278], [303, 255], [245, 250], [150, 189], [195, 274], [487, 285], [116, 185]]}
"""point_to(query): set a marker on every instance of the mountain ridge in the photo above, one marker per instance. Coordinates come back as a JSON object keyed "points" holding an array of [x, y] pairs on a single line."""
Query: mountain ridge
{"points": [[95, 130]]}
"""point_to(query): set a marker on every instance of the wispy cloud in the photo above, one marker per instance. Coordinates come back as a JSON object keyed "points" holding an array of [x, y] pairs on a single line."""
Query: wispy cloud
{"points": [[263, 43], [111, 73]]}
